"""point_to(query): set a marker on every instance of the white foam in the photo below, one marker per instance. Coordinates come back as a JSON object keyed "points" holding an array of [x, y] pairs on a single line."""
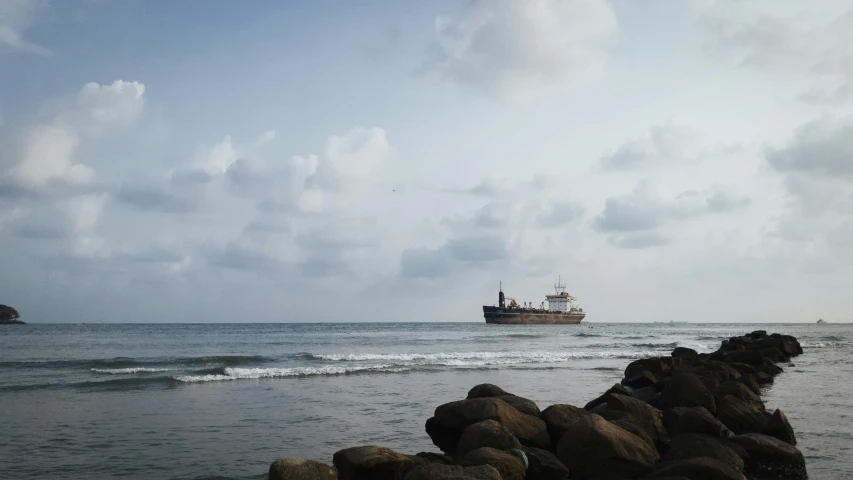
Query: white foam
{"points": [[470, 358], [122, 371], [252, 373]]}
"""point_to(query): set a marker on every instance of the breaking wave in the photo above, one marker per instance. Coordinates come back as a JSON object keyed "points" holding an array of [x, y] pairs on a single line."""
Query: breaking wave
{"points": [[255, 373], [463, 358], [123, 371]]}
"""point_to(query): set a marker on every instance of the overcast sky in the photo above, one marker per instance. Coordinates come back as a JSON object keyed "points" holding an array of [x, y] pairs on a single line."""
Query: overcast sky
{"points": [[272, 161]]}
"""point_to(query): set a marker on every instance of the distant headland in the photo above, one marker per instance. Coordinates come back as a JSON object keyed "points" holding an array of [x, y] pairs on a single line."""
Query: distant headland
{"points": [[10, 316]]}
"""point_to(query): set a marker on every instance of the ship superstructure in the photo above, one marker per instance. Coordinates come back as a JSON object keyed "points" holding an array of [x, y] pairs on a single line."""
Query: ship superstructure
{"points": [[563, 308]]}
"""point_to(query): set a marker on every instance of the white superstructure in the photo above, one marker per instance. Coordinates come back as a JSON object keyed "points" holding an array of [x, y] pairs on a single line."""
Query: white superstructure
{"points": [[561, 301]]}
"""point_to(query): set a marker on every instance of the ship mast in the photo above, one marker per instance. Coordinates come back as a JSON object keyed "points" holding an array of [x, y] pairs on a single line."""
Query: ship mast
{"points": [[559, 288]]}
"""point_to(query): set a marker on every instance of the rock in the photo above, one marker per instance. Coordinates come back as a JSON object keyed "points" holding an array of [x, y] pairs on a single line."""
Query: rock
{"points": [[644, 416], [743, 368], [785, 346], [650, 395], [739, 416], [696, 469], [763, 378], [510, 466], [521, 404], [687, 390], [616, 388], [301, 469], [595, 448], [485, 390], [682, 352], [750, 381], [436, 471], [435, 457], [559, 418], [487, 433], [641, 379], [750, 357], [740, 391], [692, 445], [451, 419], [626, 422], [777, 426], [657, 366], [680, 420], [768, 457], [758, 334], [544, 465], [371, 462]]}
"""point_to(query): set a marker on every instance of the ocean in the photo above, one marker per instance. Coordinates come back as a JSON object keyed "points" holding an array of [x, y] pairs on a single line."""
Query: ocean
{"points": [[212, 401]]}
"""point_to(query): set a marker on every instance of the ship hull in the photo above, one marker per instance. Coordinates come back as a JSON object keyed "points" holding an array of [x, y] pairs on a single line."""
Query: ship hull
{"points": [[505, 316]]}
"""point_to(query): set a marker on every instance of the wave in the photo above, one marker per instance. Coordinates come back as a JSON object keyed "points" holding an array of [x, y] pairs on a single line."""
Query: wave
{"points": [[255, 373], [459, 358], [130, 363], [122, 371]]}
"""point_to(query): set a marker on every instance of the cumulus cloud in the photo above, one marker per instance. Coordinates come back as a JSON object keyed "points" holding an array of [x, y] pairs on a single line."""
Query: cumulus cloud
{"points": [[821, 148], [519, 48], [17, 16], [665, 143], [785, 39]]}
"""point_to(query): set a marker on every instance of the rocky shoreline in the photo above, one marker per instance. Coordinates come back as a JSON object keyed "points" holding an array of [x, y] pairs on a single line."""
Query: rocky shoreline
{"points": [[684, 416]]}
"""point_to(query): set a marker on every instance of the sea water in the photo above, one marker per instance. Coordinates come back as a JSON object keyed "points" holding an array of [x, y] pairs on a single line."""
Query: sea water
{"points": [[203, 401]]}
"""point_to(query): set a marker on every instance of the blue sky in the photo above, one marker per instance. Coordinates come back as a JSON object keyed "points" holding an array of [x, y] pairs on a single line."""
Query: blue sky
{"points": [[385, 161]]}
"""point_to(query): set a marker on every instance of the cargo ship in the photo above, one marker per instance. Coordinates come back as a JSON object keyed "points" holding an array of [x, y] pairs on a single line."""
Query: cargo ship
{"points": [[563, 309]]}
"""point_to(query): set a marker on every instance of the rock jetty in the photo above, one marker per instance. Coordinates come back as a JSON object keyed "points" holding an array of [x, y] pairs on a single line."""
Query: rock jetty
{"points": [[695, 416]]}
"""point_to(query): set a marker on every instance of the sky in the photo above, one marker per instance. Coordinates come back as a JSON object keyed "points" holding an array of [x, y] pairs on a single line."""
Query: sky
{"points": [[335, 161]]}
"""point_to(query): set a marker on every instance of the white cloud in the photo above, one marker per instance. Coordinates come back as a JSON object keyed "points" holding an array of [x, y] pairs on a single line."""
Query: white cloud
{"points": [[522, 48], [16, 16], [359, 152], [665, 143]]}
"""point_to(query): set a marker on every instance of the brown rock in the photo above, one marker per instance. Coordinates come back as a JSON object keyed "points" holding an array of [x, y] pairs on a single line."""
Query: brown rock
{"points": [[595, 448], [680, 420], [682, 352], [777, 426], [643, 415], [371, 462], [687, 390], [436, 471], [301, 469], [510, 466], [616, 388], [523, 405], [768, 457], [485, 390], [692, 445], [559, 418], [544, 465], [740, 416], [738, 390], [487, 433], [696, 469]]}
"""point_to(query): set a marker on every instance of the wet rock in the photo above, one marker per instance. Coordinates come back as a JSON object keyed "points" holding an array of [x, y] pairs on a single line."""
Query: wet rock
{"points": [[682, 352], [487, 433], [660, 367], [436, 471], [680, 420], [785, 345], [643, 415], [301, 469], [616, 388], [485, 390], [510, 466], [743, 368], [641, 379], [559, 419], [687, 390], [595, 448], [650, 395], [451, 419], [758, 334], [777, 426], [371, 462], [626, 422], [750, 357], [696, 469], [750, 381], [692, 445], [768, 457], [738, 390], [544, 465], [763, 378], [523, 405], [739, 416]]}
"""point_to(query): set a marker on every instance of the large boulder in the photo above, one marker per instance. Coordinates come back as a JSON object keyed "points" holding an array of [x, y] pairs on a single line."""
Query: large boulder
{"points": [[559, 418], [451, 419], [431, 457], [686, 353], [661, 367], [643, 415], [616, 388], [768, 457], [777, 426], [750, 381], [488, 390], [625, 421], [641, 379], [595, 448], [687, 390], [544, 465], [485, 390], [301, 469], [750, 357], [487, 433], [696, 469], [371, 462], [650, 395], [738, 390], [510, 466], [740, 416], [692, 445], [680, 420], [437, 471], [523, 405]]}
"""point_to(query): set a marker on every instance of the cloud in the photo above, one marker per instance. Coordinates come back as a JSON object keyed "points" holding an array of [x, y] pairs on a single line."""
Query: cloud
{"points": [[665, 143], [822, 148], [638, 240], [559, 214], [147, 197], [523, 48], [425, 263], [16, 16], [768, 36]]}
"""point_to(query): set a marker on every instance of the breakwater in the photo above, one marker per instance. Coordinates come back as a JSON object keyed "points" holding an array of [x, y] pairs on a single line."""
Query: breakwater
{"points": [[686, 415]]}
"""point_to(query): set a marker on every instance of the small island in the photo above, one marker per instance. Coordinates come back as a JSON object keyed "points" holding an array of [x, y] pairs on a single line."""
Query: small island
{"points": [[10, 316]]}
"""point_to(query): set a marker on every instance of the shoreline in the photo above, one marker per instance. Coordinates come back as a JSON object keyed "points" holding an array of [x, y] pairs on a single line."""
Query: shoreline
{"points": [[686, 415]]}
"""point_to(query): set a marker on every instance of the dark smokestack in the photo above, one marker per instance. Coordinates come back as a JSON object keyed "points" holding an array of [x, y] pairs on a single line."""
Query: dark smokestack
{"points": [[501, 301]]}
